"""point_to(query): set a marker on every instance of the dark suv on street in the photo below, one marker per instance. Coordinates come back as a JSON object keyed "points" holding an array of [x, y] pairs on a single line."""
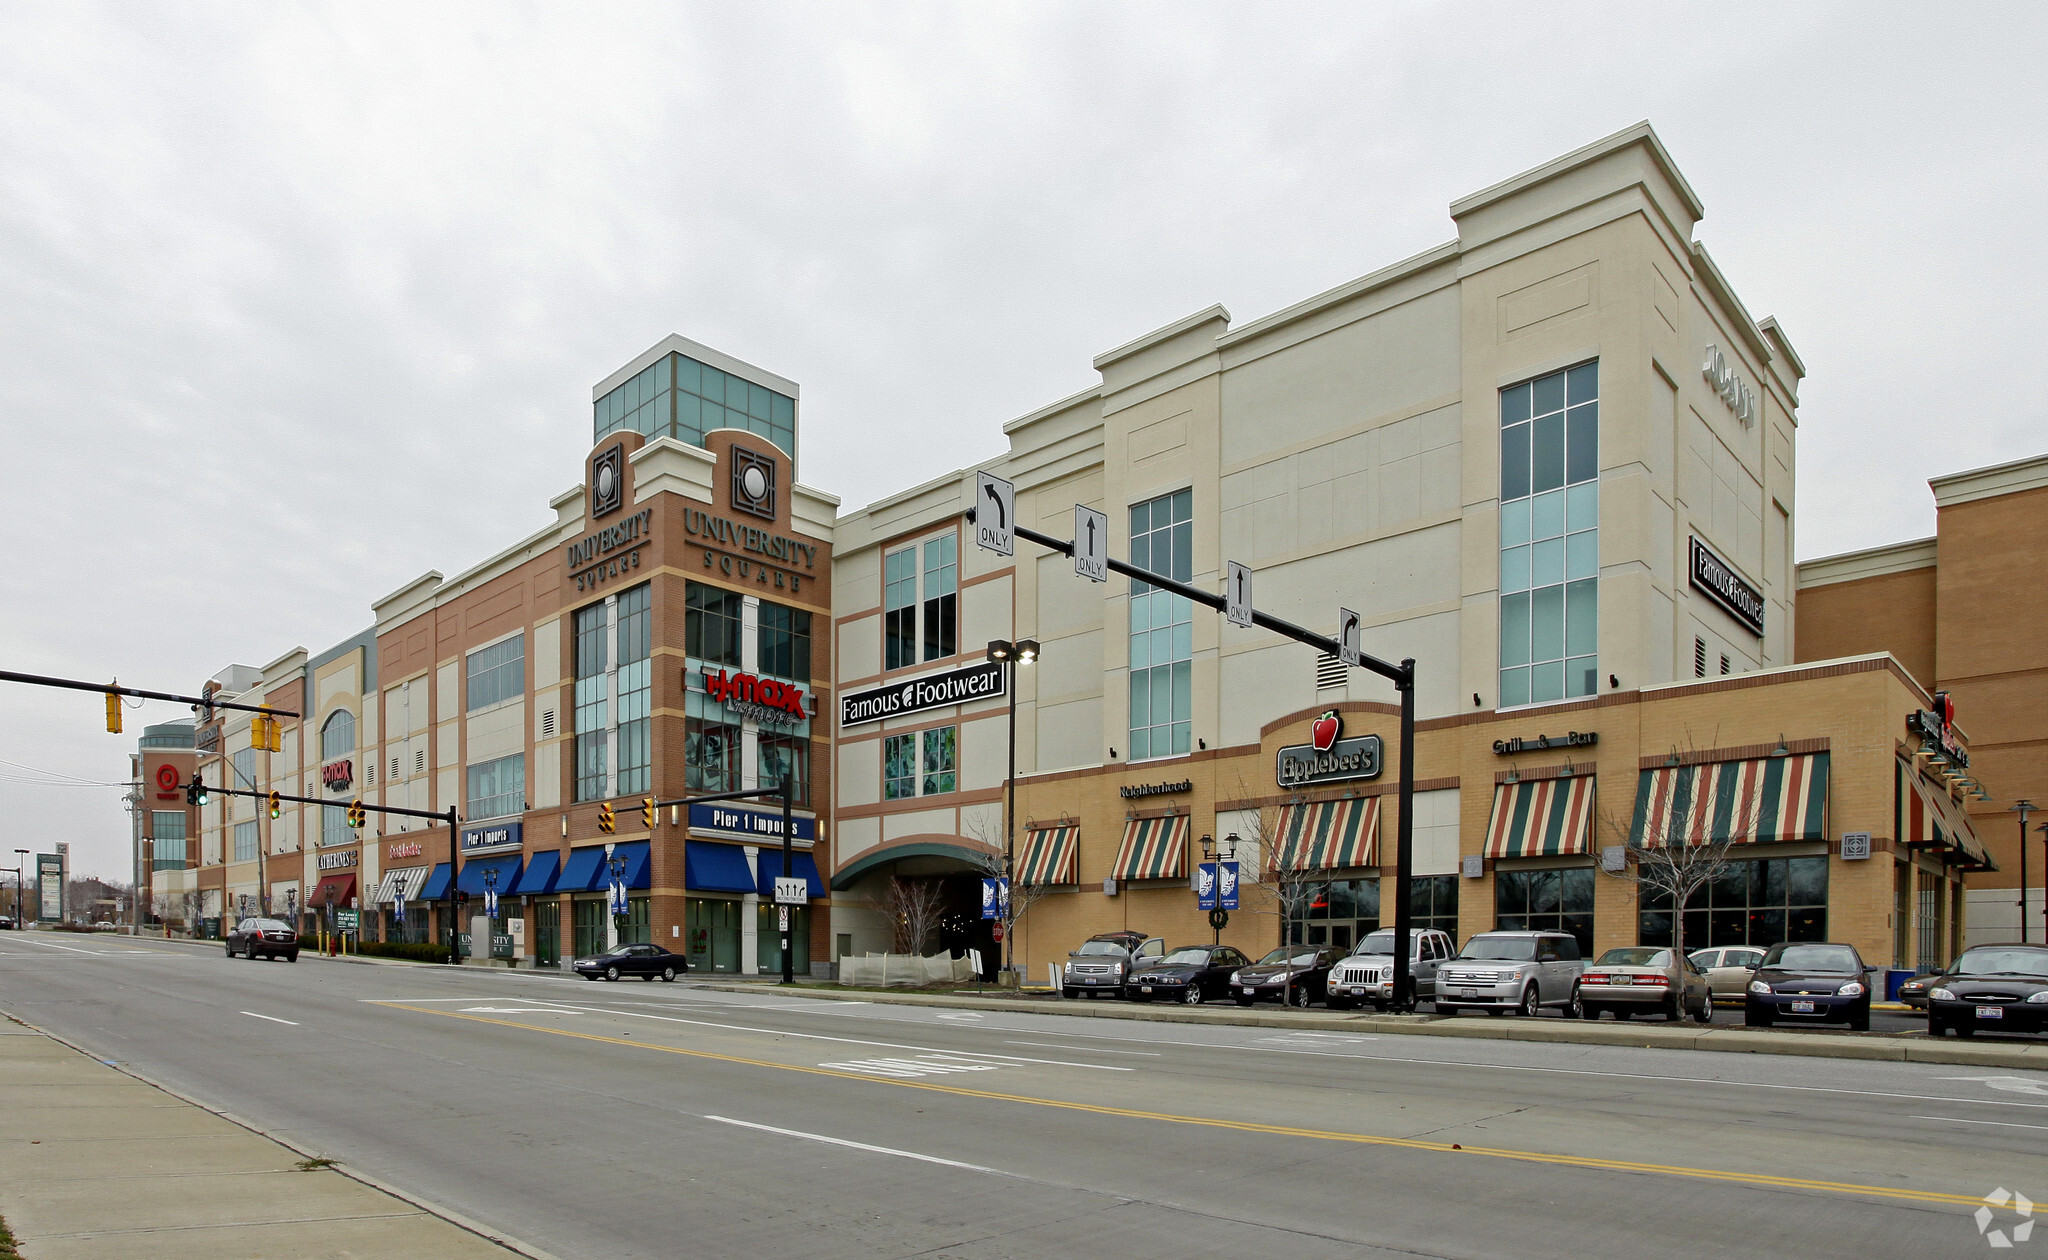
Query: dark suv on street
{"points": [[263, 938]]}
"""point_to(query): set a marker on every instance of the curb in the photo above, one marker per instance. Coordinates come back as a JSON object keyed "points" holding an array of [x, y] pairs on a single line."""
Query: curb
{"points": [[1646, 1036], [431, 1208]]}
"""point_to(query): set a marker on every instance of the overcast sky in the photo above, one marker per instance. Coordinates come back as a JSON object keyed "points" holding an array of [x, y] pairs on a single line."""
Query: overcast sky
{"points": [[300, 301]]}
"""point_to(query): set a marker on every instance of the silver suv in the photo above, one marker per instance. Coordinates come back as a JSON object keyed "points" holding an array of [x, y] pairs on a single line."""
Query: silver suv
{"points": [[1368, 975], [1105, 962], [1513, 971]]}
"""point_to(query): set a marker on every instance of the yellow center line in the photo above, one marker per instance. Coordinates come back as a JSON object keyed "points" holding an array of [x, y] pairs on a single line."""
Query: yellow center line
{"points": [[1275, 1130]]}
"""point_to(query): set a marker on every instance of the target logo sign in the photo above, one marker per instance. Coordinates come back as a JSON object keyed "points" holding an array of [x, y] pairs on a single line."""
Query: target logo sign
{"points": [[167, 781]]}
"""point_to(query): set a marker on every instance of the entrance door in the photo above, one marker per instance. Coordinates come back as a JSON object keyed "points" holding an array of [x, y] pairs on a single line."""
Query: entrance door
{"points": [[589, 927], [714, 935], [768, 940], [547, 934]]}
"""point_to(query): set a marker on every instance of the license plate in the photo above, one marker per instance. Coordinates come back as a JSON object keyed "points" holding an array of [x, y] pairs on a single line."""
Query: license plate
{"points": [[1145, 988], [1990, 1012], [1802, 1008], [1468, 993], [1248, 990]]}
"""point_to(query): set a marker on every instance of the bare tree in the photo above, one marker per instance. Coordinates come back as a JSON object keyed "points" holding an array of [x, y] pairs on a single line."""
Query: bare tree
{"points": [[915, 907], [989, 831], [1284, 887], [1679, 859]]}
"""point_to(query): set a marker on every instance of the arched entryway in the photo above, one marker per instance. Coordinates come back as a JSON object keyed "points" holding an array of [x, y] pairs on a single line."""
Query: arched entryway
{"points": [[944, 872]]}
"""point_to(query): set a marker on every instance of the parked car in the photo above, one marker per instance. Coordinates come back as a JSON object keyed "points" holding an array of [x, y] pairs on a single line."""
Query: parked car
{"points": [[6, 924], [1913, 992], [1809, 982], [1995, 988], [1728, 970], [105, 925], [1368, 974], [263, 938], [1499, 972], [1103, 962], [1192, 974], [1297, 975], [644, 961], [1646, 980]]}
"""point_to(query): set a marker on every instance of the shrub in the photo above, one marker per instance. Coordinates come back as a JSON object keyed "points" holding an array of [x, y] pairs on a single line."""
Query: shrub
{"points": [[417, 951]]}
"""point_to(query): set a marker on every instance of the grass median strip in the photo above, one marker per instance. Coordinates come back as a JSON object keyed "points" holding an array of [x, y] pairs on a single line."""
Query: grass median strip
{"points": [[1590, 1163]]}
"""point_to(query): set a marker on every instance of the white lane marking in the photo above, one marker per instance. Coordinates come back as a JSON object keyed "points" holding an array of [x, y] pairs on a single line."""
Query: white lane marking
{"points": [[851, 1041], [69, 949], [1361, 1057], [960, 1015], [1150, 1054], [2003, 1124], [2010, 1084], [272, 1018], [922, 1065], [857, 1146], [519, 1010]]}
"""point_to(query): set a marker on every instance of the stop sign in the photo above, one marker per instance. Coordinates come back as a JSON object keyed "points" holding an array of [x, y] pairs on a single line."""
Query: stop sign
{"points": [[999, 931]]}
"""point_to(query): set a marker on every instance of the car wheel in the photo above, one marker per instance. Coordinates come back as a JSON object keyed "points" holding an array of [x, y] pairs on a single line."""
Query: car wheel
{"points": [[1448, 1012], [1706, 1011], [1068, 994], [1193, 996], [611, 973], [292, 957], [668, 975], [1302, 998], [1859, 1019], [1577, 1007], [1531, 1005], [1935, 1027]]}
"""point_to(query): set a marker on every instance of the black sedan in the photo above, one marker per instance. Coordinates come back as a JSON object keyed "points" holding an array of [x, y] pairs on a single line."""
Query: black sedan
{"points": [[1818, 983], [1992, 988], [1296, 975], [263, 938], [644, 961], [1190, 975]]}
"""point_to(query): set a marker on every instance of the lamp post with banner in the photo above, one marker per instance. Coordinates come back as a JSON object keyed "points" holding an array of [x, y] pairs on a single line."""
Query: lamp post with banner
{"points": [[1216, 882], [616, 897], [490, 910], [398, 909]]}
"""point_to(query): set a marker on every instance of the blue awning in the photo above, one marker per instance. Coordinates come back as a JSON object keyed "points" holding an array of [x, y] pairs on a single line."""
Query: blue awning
{"points": [[471, 880], [584, 870], [540, 875], [800, 866], [635, 855], [717, 868], [436, 887]]}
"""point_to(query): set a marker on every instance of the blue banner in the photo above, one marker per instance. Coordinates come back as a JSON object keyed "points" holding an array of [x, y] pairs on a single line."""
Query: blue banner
{"points": [[1226, 886], [1205, 886], [995, 898]]}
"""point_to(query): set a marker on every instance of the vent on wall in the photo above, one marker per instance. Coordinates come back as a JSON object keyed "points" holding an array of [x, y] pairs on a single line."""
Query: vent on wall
{"points": [[394, 767], [419, 761], [1724, 664], [1330, 672], [1699, 657], [547, 723], [369, 774]]}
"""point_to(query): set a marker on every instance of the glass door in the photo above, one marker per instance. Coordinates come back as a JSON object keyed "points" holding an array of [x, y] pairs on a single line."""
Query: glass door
{"points": [[547, 933], [714, 935], [768, 940], [589, 926]]}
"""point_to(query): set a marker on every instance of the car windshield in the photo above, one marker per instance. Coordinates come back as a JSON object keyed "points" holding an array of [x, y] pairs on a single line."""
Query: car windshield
{"points": [[1636, 957], [1295, 957], [1380, 942], [1101, 947], [1194, 957], [1988, 960], [1828, 959], [1500, 948]]}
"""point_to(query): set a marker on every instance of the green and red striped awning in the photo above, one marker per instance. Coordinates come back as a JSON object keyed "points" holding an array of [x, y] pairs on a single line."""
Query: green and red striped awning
{"points": [[1154, 848], [1770, 799], [1541, 818], [1929, 818], [1051, 855], [1327, 835]]}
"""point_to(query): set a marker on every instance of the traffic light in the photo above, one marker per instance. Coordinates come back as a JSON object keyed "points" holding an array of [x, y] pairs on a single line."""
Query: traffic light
{"points": [[195, 791], [113, 713], [355, 815], [607, 821], [647, 812], [274, 808], [265, 735]]}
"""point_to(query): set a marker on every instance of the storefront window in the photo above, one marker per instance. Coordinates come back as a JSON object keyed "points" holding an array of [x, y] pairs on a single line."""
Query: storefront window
{"points": [[547, 933], [497, 788], [768, 939], [711, 745], [1549, 537], [711, 624], [1433, 902], [1553, 900], [589, 914], [1162, 628], [1760, 901], [920, 588], [1336, 913], [785, 646], [789, 754], [714, 935]]}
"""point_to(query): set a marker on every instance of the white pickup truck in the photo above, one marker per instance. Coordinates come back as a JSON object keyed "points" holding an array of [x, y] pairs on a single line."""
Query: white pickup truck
{"points": [[1368, 975]]}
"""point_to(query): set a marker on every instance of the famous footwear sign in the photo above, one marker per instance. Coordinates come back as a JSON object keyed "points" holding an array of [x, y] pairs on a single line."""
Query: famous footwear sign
{"points": [[1328, 757], [982, 680]]}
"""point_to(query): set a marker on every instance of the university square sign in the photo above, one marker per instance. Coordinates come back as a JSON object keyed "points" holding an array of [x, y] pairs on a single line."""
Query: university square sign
{"points": [[1328, 757]]}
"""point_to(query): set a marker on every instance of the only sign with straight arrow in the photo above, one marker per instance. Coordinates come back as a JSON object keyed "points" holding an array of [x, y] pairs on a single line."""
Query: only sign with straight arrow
{"points": [[1091, 543]]}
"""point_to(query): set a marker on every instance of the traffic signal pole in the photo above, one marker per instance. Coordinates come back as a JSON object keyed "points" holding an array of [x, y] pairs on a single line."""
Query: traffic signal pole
{"points": [[1403, 678], [787, 792]]}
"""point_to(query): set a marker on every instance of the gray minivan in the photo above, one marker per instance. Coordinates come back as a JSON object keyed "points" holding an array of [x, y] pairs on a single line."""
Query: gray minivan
{"points": [[1499, 972]]}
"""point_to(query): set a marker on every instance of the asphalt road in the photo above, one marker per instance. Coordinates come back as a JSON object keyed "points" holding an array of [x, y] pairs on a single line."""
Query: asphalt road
{"points": [[655, 1120]]}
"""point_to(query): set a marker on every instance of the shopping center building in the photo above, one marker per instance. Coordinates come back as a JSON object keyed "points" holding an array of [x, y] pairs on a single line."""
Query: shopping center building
{"points": [[1552, 461]]}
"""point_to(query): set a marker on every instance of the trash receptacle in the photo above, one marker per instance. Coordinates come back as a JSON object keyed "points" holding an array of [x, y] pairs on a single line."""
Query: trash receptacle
{"points": [[1893, 979]]}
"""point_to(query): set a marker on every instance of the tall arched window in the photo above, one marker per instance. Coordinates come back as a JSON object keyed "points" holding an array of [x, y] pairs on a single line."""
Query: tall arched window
{"points": [[338, 736]]}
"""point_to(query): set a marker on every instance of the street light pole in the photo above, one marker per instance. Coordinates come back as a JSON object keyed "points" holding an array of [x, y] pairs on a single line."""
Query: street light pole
{"points": [[21, 889], [2023, 807], [1008, 655]]}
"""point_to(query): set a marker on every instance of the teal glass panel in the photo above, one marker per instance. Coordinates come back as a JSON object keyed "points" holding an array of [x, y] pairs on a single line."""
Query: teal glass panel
{"points": [[1547, 513], [1582, 509], [1546, 624], [1582, 618], [1514, 523], [1514, 630], [1582, 555], [1514, 569], [1546, 562], [1546, 682], [1514, 687], [1514, 405], [1581, 677]]}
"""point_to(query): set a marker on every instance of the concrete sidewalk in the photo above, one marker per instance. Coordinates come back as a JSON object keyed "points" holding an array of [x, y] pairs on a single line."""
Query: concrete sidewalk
{"points": [[96, 1162]]}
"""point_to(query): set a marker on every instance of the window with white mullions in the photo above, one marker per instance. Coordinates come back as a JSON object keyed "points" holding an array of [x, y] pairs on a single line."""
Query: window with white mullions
{"points": [[636, 689], [785, 635], [592, 701], [338, 734], [920, 595], [497, 672], [1549, 537], [922, 763], [497, 789], [1162, 628]]}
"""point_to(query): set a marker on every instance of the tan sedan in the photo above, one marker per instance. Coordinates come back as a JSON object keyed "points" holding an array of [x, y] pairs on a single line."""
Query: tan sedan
{"points": [[1729, 970], [1646, 980]]}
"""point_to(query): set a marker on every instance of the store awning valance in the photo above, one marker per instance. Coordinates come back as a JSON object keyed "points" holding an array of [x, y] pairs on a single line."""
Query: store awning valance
{"points": [[709, 867], [634, 853], [1541, 818], [540, 875], [1154, 848], [404, 879], [332, 890], [472, 879], [436, 887], [800, 867], [1327, 835], [1770, 799], [583, 871], [1051, 856], [1927, 818]]}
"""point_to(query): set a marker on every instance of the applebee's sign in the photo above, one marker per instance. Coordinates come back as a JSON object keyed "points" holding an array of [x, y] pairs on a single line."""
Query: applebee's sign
{"points": [[1328, 757]]}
